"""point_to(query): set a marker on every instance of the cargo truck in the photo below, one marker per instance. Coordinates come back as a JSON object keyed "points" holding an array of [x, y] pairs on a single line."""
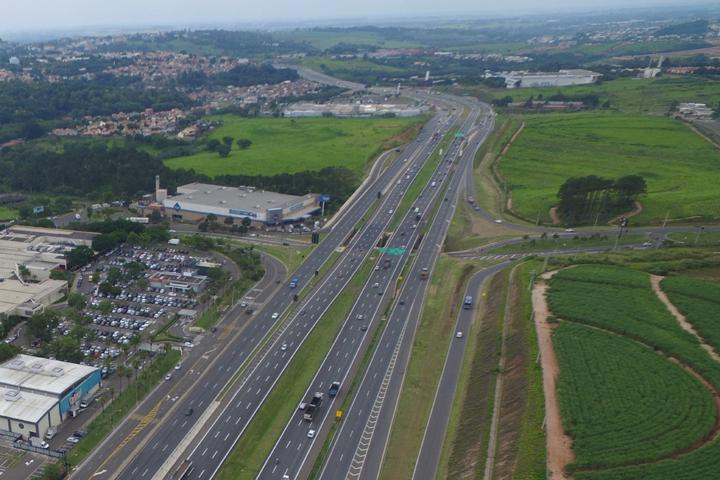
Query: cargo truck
{"points": [[313, 405]]}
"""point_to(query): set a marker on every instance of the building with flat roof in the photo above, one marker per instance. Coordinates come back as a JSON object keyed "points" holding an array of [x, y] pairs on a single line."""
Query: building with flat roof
{"points": [[560, 78], [195, 201], [40, 251], [37, 393]]}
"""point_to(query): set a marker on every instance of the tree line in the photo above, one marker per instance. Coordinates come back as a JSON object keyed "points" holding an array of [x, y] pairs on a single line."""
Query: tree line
{"points": [[590, 198]]}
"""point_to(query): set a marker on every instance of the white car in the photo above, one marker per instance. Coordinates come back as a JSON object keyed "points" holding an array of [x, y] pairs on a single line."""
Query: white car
{"points": [[570, 230], [73, 439], [498, 220], [311, 433], [177, 367], [189, 344], [459, 335], [168, 377], [283, 347], [275, 315]]}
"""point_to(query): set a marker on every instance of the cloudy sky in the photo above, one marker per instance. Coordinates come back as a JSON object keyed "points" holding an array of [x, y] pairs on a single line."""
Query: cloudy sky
{"points": [[20, 15]]}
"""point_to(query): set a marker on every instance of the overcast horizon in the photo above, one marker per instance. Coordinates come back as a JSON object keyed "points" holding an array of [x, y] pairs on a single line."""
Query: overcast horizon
{"points": [[57, 15]]}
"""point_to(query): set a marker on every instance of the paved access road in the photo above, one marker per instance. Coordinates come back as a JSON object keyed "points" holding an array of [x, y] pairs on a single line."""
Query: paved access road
{"points": [[358, 446], [431, 448], [215, 443], [296, 441]]}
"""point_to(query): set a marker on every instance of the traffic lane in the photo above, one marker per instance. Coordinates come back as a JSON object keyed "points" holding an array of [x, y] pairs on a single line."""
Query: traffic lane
{"points": [[344, 228], [382, 278], [378, 231], [337, 463], [341, 355], [431, 447]]}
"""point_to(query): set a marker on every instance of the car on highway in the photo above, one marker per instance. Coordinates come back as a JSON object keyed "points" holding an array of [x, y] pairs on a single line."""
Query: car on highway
{"points": [[168, 377], [189, 412], [311, 433], [363, 328], [360, 316], [275, 315], [177, 367], [243, 304], [570, 230], [188, 344], [459, 335], [302, 405], [283, 347], [73, 439]]}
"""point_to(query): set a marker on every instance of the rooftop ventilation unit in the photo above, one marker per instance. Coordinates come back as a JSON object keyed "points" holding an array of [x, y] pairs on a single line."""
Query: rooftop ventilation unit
{"points": [[12, 395]]}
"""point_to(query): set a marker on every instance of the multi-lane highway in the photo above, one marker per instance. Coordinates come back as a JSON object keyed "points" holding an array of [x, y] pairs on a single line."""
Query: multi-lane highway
{"points": [[296, 441], [215, 444], [171, 420]]}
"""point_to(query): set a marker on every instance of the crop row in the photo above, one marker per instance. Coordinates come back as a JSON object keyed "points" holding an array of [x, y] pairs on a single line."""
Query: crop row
{"points": [[700, 464], [624, 403], [699, 301], [635, 312]]}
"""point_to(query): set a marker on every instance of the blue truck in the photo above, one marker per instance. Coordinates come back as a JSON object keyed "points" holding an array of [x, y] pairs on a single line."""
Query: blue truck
{"points": [[294, 282]]}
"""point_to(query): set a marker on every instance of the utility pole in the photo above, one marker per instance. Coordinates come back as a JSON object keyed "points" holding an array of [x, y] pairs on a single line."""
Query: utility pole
{"points": [[697, 237]]}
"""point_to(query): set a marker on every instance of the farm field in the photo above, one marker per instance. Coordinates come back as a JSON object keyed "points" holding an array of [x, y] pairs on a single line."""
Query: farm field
{"points": [[631, 411], [282, 145], [629, 95], [681, 168], [699, 301]]}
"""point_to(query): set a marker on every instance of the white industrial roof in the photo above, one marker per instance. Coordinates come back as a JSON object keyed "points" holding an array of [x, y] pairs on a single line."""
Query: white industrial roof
{"points": [[13, 293], [42, 375], [245, 198], [24, 406]]}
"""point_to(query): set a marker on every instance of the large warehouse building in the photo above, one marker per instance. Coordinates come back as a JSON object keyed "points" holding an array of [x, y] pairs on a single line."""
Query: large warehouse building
{"points": [[37, 393], [195, 201], [561, 78], [38, 251]]}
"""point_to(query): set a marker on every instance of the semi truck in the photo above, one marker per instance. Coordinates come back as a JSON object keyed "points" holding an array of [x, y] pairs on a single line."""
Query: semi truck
{"points": [[312, 406], [334, 388]]}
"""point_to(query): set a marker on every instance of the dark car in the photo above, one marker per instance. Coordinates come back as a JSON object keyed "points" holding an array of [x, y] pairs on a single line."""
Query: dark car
{"points": [[79, 433], [189, 412], [363, 328]]}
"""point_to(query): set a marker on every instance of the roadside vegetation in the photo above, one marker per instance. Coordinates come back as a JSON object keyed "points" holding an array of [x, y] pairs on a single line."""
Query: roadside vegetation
{"points": [[289, 145], [246, 459], [434, 333]]}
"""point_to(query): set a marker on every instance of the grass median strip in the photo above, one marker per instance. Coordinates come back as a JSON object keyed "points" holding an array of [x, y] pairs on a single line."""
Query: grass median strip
{"points": [[246, 459], [423, 372]]}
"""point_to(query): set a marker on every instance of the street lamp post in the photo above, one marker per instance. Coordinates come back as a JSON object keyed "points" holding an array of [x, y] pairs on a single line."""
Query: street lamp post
{"points": [[697, 237]]}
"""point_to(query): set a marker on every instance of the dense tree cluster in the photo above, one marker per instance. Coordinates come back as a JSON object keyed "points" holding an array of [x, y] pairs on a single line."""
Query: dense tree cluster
{"points": [[30, 102], [239, 76], [583, 199]]}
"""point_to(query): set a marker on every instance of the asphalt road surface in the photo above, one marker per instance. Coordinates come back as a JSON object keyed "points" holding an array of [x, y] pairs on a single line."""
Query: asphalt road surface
{"points": [[142, 451], [358, 447], [217, 441]]}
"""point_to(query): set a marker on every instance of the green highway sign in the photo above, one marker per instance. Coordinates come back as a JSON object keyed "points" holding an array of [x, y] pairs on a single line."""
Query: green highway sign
{"points": [[459, 134], [398, 252]]}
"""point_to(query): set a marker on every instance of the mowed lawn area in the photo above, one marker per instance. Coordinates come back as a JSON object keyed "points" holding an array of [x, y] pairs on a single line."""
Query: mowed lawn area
{"points": [[283, 145], [682, 170], [7, 213]]}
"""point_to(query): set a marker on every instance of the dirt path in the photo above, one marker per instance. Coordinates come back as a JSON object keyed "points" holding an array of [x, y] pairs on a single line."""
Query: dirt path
{"points": [[559, 445], [554, 216], [635, 211], [684, 324], [512, 139]]}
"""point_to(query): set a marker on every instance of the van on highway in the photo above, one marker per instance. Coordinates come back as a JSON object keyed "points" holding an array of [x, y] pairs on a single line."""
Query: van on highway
{"points": [[467, 304]]}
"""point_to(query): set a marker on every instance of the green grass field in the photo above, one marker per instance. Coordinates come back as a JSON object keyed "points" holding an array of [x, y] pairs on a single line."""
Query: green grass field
{"points": [[622, 402], [293, 145], [682, 170], [7, 213], [630, 95]]}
